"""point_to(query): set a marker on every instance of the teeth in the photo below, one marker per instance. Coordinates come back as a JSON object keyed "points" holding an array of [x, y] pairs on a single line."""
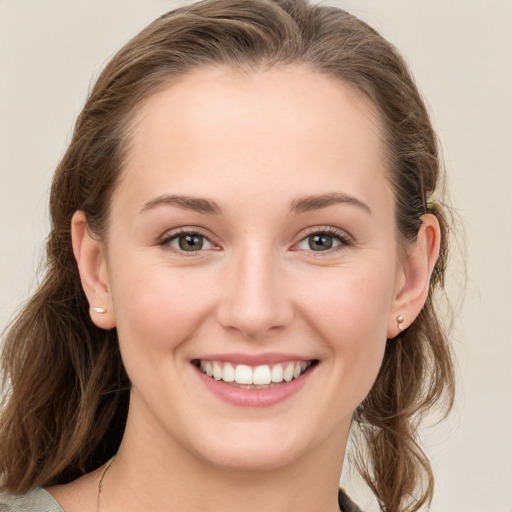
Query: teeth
{"points": [[277, 373], [243, 374], [288, 372], [261, 375], [228, 374], [217, 371]]}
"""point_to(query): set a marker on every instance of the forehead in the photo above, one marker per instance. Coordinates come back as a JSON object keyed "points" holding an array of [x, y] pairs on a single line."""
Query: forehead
{"points": [[220, 128]]}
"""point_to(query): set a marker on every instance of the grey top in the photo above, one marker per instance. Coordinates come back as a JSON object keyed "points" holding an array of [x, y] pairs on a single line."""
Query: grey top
{"points": [[38, 500]]}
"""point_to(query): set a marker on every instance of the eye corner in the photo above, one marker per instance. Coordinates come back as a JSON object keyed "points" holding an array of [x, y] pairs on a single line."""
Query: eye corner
{"points": [[175, 241], [329, 240]]}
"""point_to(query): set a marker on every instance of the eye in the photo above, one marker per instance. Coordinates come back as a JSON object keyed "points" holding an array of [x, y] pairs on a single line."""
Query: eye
{"points": [[323, 241], [187, 241]]}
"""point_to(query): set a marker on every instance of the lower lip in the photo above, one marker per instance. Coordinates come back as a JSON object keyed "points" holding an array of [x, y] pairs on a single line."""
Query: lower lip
{"points": [[245, 397]]}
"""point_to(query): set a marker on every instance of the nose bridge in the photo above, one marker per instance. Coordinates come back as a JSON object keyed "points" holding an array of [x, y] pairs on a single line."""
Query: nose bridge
{"points": [[255, 300]]}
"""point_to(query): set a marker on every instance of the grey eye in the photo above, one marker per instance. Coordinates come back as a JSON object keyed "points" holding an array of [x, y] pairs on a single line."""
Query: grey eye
{"points": [[323, 241], [320, 242]]}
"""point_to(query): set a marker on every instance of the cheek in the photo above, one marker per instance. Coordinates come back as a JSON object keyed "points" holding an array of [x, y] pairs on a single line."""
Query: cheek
{"points": [[355, 302], [349, 312], [158, 307]]}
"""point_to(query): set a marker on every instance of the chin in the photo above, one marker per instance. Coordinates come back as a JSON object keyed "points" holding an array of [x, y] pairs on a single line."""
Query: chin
{"points": [[256, 460], [262, 451]]}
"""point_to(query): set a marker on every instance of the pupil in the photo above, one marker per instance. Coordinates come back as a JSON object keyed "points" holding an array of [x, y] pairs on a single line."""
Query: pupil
{"points": [[191, 242], [320, 242]]}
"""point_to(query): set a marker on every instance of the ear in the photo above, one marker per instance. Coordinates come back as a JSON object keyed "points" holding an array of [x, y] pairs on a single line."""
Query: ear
{"points": [[415, 272], [92, 266]]}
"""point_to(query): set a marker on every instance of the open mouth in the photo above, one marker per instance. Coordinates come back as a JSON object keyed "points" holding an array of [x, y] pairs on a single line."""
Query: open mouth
{"points": [[254, 377]]}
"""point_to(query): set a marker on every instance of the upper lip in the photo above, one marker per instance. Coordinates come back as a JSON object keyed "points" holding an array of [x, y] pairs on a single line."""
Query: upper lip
{"points": [[254, 359]]}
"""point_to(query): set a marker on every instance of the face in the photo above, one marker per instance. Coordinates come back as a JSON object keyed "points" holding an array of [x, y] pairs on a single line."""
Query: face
{"points": [[252, 236]]}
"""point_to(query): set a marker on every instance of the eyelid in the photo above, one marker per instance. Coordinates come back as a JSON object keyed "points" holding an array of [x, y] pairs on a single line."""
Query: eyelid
{"points": [[344, 239], [165, 239]]}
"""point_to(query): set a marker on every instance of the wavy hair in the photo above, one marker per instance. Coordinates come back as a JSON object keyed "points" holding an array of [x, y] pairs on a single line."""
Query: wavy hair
{"points": [[64, 386]]}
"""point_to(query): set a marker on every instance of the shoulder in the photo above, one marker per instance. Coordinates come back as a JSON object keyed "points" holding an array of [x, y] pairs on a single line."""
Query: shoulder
{"points": [[345, 503], [37, 500]]}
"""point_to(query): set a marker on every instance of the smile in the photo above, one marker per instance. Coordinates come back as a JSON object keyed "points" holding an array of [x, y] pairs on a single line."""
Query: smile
{"points": [[254, 377]]}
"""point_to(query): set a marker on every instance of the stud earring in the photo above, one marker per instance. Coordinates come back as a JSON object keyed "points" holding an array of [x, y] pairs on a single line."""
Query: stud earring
{"points": [[100, 311], [400, 321]]}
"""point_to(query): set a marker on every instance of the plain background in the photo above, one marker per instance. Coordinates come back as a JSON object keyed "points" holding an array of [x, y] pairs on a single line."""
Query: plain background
{"points": [[461, 54]]}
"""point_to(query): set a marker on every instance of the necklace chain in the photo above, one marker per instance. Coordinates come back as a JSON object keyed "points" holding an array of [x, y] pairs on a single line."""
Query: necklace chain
{"points": [[100, 483]]}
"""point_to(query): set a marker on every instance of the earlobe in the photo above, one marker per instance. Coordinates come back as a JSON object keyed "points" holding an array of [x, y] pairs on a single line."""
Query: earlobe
{"points": [[92, 266], [416, 270]]}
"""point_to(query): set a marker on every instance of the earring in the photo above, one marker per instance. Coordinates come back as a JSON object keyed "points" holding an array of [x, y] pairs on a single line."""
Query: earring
{"points": [[100, 311], [400, 321]]}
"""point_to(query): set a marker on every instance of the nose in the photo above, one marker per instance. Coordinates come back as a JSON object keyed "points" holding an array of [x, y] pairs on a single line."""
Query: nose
{"points": [[254, 301]]}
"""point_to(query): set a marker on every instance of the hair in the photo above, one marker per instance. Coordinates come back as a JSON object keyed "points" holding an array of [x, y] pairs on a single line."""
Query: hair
{"points": [[65, 390]]}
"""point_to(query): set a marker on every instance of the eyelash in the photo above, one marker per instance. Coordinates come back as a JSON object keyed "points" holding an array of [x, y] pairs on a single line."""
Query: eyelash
{"points": [[341, 237], [166, 241]]}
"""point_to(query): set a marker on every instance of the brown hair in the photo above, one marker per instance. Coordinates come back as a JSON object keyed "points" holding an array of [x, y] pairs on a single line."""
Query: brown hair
{"points": [[65, 388]]}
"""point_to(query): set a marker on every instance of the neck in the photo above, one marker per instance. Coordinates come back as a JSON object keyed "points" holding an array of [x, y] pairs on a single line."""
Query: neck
{"points": [[150, 476]]}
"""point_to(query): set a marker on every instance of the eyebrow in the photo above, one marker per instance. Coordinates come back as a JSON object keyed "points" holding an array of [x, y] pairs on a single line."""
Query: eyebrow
{"points": [[300, 205], [317, 202], [196, 204]]}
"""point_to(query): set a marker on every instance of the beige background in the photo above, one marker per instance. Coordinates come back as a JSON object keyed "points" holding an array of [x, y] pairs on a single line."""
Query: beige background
{"points": [[461, 54]]}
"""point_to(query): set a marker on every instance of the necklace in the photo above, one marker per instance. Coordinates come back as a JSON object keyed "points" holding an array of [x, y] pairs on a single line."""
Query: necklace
{"points": [[100, 483], [107, 467]]}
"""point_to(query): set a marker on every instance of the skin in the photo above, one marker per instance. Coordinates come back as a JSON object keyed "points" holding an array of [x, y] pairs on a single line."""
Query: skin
{"points": [[255, 144]]}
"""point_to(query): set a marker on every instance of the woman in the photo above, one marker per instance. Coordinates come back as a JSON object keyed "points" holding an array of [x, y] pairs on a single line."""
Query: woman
{"points": [[242, 267]]}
